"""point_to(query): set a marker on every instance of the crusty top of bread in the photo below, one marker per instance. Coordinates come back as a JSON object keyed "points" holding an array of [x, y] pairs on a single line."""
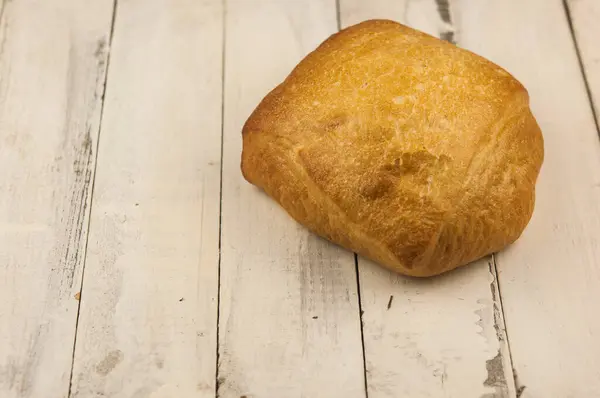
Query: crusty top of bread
{"points": [[399, 146]]}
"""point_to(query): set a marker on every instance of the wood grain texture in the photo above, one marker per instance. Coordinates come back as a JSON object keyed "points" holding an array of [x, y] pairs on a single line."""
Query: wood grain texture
{"points": [[52, 71], [438, 337], [549, 279], [149, 301], [289, 318], [585, 15]]}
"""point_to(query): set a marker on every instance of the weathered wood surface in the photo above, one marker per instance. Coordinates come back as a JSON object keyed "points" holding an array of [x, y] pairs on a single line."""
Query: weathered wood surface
{"points": [[440, 337], [52, 70], [149, 302], [289, 318], [286, 318]]}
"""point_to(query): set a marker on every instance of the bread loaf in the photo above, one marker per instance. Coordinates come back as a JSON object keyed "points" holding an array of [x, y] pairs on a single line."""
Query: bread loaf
{"points": [[399, 146]]}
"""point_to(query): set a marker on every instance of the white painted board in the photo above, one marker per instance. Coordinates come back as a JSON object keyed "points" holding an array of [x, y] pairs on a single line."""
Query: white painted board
{"points": [[52, 70], [149, 300], [289, 318]]}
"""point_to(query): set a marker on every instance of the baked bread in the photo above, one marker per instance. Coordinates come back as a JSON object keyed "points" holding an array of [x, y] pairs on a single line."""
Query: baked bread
{"points": [[399, 146]]}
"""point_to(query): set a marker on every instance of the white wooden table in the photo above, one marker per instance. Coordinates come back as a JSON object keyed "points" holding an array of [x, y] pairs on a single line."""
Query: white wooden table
{"points": [[136, 262]]}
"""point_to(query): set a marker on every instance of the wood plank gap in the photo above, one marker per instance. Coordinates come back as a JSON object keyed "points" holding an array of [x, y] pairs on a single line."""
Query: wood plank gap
{"points": [[338, 18], [92, 183], [581, 66], [497, 297], [360, 314], [223, 58], [2, 4], [360, 311], [445, 11]]}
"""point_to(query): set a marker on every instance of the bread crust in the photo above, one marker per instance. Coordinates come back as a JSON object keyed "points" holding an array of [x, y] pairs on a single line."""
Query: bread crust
{"points": [[399, 146]]}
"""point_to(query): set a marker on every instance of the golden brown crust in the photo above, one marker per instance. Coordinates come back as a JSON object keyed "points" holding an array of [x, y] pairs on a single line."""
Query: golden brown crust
{"points": [[399, 146]]}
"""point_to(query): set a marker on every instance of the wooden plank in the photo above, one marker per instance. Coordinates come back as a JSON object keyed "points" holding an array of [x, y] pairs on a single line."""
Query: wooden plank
{"points": [[289, 318], [52, 71], [585, 15], [439, 337], [549, 279], [149, 299]]}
